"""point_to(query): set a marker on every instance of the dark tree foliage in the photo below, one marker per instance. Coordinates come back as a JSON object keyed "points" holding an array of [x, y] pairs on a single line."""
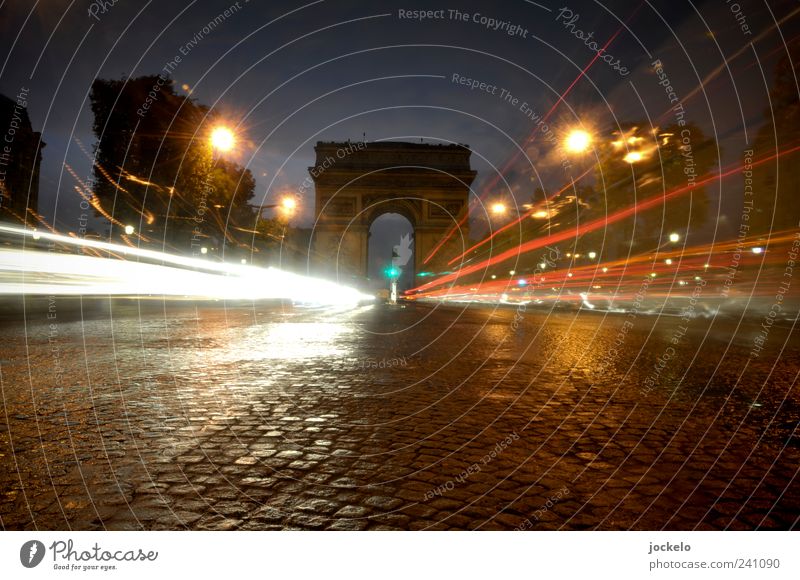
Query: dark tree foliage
{"points": [[675, 158], [776, 182], [155, 168]]}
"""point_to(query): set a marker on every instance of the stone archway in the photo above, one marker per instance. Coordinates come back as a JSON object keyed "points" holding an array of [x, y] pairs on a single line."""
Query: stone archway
{"points": [[356, 182]]}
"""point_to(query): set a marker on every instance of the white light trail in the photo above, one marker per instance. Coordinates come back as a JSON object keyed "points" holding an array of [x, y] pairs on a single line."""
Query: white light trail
{"points": [[40, 272]]}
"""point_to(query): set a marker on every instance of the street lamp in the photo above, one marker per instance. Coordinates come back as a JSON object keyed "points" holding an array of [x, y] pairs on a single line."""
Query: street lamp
{"points": [[498, 208], [674, 238], [577, 141], [288, 205], [633, 157], [129, 230], [222, 139], [203, 250]]}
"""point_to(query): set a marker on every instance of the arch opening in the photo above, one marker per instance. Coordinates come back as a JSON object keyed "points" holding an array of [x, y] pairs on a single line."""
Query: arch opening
{"points": [[391, 235]]}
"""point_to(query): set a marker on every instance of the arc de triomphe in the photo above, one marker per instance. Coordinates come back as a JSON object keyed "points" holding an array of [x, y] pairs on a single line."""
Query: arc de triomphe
{"points": [[356, 182]]}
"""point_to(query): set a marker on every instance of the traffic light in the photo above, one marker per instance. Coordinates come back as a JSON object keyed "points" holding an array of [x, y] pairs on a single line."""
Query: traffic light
{"points": [[392, 272]]}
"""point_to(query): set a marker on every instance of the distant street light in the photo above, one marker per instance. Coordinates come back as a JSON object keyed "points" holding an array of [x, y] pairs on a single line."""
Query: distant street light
{"points": [[129, 230], [498, 208], [674, 238], [577, 141], [289, 205], [203, 250], [633, 157], [758, 250], [222, 139], [592, 255]]}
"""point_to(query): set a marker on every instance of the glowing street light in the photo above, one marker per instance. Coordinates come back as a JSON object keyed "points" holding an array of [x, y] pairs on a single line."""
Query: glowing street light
{"points": [[222, 139], [203, 250], [289, 204], [674, 238], [498, 208], [758, 250], [129, 230], [668, 261], [592, 255], [512, 272], [633, 157], [577, 141]]}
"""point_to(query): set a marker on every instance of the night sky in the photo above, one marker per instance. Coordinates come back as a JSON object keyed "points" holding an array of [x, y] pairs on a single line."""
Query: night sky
{"points": [[288, 74]]}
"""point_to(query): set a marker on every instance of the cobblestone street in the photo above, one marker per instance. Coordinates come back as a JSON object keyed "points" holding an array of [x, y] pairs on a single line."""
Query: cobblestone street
{"points": [[381, 418]]}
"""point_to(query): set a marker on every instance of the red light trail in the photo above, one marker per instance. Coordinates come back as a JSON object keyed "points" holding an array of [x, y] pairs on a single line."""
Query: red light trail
{"points": [[527, 142], [595, 224]]}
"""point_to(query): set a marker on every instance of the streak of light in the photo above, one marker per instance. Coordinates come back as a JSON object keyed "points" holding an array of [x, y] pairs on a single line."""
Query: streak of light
{"points": [[595, 224], [532, 212], [746, 47], [690, 261], [530, 138], [41, 272]]}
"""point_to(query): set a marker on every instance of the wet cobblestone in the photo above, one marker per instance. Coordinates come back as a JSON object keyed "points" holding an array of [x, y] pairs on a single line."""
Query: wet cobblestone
{"points": [[255, 418]]}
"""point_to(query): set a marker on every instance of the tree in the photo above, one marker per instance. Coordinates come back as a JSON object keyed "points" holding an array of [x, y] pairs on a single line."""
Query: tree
{"points": [[639, 165], [155, 168], [775, 183]]}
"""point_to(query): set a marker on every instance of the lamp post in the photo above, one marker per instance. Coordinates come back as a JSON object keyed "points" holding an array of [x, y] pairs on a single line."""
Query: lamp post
{"points": [[578, 141], [222, 139]]}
